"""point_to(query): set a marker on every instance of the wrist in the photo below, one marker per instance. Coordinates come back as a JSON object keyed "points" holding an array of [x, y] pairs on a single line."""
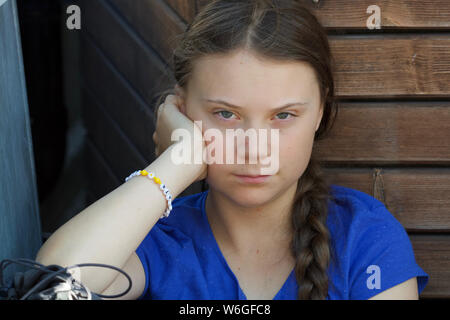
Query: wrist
{"points": [[177, 175]]}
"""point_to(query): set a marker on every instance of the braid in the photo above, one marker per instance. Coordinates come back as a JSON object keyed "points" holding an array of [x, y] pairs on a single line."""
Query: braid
{"points": [[310, 245]]}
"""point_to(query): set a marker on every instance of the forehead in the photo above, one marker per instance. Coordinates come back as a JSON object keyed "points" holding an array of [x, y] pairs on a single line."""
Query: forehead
{"points": [[242, 75]]}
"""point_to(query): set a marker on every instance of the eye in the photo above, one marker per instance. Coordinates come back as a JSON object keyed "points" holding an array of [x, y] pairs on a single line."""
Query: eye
{"points": [[285, 115], [225, 114]]}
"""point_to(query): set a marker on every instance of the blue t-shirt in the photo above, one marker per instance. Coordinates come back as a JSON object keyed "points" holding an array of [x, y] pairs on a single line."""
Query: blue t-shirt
{"points": [[182, 260]]}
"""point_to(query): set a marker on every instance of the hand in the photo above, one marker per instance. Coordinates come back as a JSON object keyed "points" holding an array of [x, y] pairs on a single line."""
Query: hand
{"points": [[169, 118]]}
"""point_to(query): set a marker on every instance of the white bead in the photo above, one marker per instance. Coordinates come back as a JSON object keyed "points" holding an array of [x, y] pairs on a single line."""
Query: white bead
{"points": [[162, 186]]}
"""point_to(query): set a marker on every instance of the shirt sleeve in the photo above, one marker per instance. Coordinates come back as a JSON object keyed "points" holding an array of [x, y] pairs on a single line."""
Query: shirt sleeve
{"points": [[382, 256], [158, 252]]}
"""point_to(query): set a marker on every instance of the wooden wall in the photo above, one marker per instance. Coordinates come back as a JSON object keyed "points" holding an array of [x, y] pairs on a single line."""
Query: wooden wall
{"points": [[122, 73], [392, 137]]}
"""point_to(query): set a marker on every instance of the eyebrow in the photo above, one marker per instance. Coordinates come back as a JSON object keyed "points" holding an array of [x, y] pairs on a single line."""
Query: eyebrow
{"points": [[239, 108]]}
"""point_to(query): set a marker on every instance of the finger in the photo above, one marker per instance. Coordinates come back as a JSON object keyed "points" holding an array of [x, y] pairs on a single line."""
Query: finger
{"points": [[171, 99], [155, 138]]}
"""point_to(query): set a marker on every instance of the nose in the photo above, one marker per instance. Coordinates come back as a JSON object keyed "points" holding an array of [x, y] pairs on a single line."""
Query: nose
{"points": [[254, 144]]}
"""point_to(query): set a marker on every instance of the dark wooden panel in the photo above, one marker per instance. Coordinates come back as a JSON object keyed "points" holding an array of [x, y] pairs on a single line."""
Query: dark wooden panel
{"points": [[119, 152], [399, 14], [433, 256], [132, 57], [389, 133], [123, 104], [102, 179], [392, 65], [417, 197], [155, 22], [186, 9]]}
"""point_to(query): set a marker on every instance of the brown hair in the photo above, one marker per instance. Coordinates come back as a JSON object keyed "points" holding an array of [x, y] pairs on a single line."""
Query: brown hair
{"points": [[280, 30]]}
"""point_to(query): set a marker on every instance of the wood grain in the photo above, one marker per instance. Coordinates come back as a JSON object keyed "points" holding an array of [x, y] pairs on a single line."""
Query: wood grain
{"points": [[417, 197], [433, 256], [392, 66], [395, 15], [367, 66], [131, 113], [389, 134]]}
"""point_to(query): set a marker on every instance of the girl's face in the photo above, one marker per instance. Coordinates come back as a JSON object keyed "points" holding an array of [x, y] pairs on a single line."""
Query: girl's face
{"points": [[255, 87]]}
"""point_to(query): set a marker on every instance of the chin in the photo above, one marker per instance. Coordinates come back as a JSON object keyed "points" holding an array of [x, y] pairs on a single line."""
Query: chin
{"points": [[250, 197]]}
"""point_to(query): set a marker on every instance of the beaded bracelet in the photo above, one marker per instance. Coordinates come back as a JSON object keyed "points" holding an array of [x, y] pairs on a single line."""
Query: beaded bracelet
{"points": [[162, 186]]}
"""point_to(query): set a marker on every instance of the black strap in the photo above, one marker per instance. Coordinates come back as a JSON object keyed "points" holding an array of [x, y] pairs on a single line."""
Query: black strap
{"points": [[51, 282]]}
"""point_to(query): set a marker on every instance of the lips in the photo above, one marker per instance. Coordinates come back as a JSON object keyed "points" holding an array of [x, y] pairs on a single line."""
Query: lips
{"points": [[251, 175], [253, 178]]}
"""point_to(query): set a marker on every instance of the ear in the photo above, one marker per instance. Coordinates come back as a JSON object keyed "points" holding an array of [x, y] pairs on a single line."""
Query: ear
{"points": [[181, 95]]}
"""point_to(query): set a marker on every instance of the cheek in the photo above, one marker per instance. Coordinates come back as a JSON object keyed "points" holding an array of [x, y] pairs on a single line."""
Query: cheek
{"points": [[296, 148], [217, 175]]}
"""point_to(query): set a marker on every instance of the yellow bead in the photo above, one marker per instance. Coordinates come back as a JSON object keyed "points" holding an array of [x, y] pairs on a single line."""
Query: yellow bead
{"points": [[144, 173], [157, 180]]}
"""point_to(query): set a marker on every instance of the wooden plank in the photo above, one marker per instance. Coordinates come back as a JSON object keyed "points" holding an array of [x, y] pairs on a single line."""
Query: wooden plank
{"points": [[185, 9], [433, 256], [120, 99], [396, 15], [119, 152], [132, 57], [101, 178], [366, 66], [389, 133], [392, 65], [149, 18], [417, 197], [20, 225]]}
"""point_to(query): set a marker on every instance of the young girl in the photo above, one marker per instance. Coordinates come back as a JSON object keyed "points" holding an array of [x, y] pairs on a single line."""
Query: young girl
{"points": [[244, 64]]}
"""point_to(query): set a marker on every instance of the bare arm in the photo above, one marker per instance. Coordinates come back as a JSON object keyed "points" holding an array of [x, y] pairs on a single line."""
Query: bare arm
{"points": [[110, 230], [404, 291]]}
